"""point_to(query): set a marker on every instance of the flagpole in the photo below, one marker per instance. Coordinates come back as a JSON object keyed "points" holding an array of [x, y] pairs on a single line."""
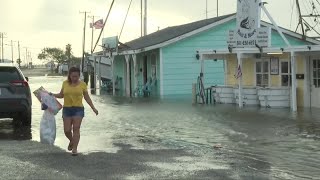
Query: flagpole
{"points": [[92, 35]]}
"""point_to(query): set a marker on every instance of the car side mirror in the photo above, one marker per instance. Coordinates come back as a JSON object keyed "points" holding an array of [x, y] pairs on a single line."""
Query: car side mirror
{"points": [[27, 78]]}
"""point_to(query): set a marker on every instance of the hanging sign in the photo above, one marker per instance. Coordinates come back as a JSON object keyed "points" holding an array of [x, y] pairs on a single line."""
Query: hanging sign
{"points": [[248, 19], [248, 32]]}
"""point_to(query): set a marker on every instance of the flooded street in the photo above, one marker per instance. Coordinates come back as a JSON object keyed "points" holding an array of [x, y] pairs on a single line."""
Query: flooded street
{"points": [[256, 143]]}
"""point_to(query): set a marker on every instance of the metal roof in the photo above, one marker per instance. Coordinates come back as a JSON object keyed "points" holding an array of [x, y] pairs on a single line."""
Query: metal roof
{"points": [[168, 33]]}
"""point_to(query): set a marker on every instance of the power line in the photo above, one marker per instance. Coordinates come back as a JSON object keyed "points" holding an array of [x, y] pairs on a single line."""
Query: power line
{"points": [[125, 19], [103, 25], [292, 7]]}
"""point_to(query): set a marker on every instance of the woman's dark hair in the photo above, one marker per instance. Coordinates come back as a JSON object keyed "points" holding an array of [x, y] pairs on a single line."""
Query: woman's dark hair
{"points": [[71, 70]]}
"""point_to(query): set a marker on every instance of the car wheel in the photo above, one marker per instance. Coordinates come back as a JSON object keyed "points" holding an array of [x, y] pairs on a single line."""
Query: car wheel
{"points": [[22, 119], [26, 118]]}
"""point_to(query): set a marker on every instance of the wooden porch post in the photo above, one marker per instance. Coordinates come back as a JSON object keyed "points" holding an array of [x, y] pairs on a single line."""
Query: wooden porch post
{"points": [[134, 57], [99, 73], [240, 80], [95, 73], [202, 80], [113, 77], [294, 85], [128, 75]]}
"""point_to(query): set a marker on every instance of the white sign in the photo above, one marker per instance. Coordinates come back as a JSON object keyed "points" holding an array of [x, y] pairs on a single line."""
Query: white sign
{"points": [[248, 22], [262, 39], [231, 41], [111, 43]]}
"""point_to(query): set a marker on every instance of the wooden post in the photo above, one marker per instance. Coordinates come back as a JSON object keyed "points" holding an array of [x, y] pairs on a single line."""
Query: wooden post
{"points": [[194, 93], [135, 86], [128, 75], [240, 80], [99, 75], [294, 85], [95, 72], [113, 77]]}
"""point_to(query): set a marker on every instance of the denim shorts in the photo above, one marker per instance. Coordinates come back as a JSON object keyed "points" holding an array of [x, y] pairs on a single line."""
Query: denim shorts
{"points": [[68, 112]]}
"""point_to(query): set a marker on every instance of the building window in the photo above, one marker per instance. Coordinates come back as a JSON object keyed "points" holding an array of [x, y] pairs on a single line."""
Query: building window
{"points": [[285, 73], [262, 73], [316, 73]]}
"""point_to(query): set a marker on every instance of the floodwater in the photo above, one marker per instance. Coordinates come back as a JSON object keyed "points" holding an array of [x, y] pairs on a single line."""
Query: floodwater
{"points": [[275, 142]]}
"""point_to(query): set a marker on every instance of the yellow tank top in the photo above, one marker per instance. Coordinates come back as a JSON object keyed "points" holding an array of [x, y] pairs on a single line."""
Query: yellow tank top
{"points": [[73, 94]]}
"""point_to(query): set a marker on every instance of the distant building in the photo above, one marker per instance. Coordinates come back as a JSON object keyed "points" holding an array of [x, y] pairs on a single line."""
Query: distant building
{"points": [[6, 61]]}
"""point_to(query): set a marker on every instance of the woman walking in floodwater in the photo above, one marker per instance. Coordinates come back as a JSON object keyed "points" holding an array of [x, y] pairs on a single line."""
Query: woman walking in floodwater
{"points": [[72, 91]]}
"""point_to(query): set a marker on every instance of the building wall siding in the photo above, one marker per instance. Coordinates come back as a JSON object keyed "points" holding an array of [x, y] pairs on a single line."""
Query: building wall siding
{"points": [[181, 68], [248, 71]]}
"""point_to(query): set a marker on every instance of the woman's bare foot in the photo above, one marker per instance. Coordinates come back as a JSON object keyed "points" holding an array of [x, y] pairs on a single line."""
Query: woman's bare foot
{"points": [[70, 146], [74, 153]]}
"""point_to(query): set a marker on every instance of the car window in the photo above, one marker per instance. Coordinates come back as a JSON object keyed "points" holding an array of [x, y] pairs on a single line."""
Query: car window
{"points": [[8, 74]]}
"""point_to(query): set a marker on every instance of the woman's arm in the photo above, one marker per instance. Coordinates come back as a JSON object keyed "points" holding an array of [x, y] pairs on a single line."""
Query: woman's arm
{"points": [[59, 95], [89, 101]]}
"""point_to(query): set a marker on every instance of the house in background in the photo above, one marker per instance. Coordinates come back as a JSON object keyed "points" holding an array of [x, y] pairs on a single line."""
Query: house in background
{"points": [[285, 74], [164, 63]]}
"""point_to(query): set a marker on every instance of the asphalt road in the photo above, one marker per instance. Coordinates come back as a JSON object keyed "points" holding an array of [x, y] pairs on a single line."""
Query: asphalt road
{"points": [[33, 160]]}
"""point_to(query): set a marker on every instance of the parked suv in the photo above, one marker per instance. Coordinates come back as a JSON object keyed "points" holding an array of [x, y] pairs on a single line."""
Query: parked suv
{"points": [[15, 95]]}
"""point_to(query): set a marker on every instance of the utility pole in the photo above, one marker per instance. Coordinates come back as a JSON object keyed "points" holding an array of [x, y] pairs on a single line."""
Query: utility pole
{"points": [[30, 58], [141, 18], [2, 55], [145, 18], [12, 51], [85, 75], [206, 9], [26, 57], [217, 8], [19, 60], [84, 38], [92, 17], [300, 19], [92, 35]]}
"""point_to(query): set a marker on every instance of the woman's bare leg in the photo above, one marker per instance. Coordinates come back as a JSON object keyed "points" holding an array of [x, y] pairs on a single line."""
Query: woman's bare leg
{"points": [[67, 124], [76, 122]]}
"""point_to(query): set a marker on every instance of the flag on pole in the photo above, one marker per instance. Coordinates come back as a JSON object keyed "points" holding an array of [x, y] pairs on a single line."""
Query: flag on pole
{"points": [[238, 73], [98, 24]]}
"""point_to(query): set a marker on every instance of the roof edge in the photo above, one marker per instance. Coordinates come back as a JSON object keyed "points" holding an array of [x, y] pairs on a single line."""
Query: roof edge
{"points": [[183, 36]]}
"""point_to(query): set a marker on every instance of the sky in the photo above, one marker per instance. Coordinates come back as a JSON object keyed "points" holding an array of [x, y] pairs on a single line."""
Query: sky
{"points": [[46, 23]]}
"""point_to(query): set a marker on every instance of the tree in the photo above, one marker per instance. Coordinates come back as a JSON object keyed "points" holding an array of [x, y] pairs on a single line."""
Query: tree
{"points": [[75, 61], [53, 54], [69, 52]]}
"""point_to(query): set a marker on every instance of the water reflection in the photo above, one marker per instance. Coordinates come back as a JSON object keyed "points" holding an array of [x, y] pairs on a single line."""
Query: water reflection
{"points": [[9, 131]]}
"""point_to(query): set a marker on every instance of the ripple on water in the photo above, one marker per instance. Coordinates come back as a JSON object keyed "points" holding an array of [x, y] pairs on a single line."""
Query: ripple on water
{"points": [[278, 142]]}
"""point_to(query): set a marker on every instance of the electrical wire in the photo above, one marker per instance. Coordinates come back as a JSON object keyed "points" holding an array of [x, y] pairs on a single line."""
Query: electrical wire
{"points": [[292, 7], [125, 19], [103, 25]]}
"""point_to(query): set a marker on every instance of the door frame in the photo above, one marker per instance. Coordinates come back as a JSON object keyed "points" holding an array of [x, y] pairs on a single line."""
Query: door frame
{"points": [[310, 82]]}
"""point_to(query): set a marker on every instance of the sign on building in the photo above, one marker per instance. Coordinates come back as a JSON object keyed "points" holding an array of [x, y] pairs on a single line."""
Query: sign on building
{"points": [[110, 43], [248, 32]]}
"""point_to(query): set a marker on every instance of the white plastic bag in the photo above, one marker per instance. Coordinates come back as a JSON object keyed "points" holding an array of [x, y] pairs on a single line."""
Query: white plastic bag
{"points": [[48, 121], [48, 128]]}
